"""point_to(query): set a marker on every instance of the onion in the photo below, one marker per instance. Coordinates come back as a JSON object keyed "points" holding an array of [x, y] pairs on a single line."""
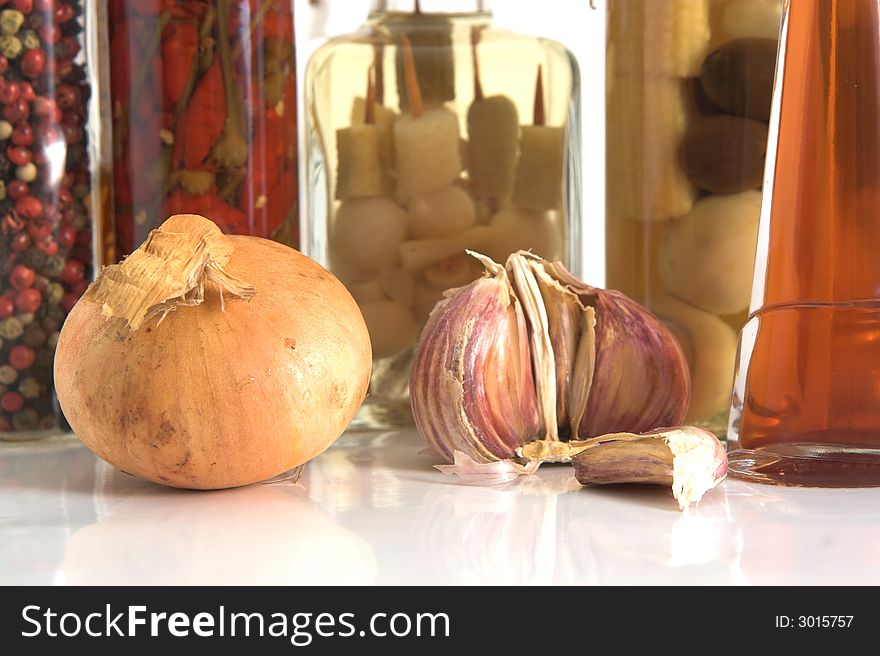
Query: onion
{"points": [[166, 370]]}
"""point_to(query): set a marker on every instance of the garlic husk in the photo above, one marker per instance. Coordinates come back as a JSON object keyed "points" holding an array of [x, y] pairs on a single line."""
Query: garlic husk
{"points": [[689, 459], [472, 388]]}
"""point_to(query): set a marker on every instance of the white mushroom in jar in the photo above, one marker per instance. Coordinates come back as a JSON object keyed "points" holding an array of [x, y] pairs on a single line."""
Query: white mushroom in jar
{"points": [[367, 233], [444, 212], [516, 228], [392, 327], [709, 345], [707, 257]]}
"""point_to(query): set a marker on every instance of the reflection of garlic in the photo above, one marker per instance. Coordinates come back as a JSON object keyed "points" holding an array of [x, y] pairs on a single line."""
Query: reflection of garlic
{"points": [[689, 459], [708, 256], [443, 212], [710, 347], [392, 327], [368, 232], [486, 377]]}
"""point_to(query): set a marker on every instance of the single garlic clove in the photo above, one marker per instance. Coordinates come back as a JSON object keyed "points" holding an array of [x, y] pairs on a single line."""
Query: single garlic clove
{"points": [[689, 459], [443, 212], [367, 233], [471, 387]]}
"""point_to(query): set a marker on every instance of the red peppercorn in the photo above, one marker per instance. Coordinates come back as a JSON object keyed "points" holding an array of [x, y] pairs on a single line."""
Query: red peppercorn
{"points": [[62, 68], [44, 106], [67, 96], [21, 277], [24, 6], [21, 356], [80, 288], [39, 230], [4, 64], [52, 215], [73, 134], [28, 206], [28, 300], [9, 92], [73, 272], [68, 46], [44, 6], [18, 155], [33, 61], [68, 301], [48, 246], [66, 235], [27, 91], [20, 241], [23, 135], [63, 13], [6, 307], [16, 111], [11, 401], [16, 188], [64, 198], [49, 33]]}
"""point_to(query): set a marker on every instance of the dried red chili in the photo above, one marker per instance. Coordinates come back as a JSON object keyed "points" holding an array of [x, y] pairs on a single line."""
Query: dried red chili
{"points": [[218, 116]]}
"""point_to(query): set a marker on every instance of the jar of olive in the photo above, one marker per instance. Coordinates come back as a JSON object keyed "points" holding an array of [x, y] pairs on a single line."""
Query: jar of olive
{"points": [[689, 85]]}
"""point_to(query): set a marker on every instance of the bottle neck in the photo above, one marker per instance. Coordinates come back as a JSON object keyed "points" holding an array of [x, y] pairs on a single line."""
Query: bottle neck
{"points": [[431, 6]]}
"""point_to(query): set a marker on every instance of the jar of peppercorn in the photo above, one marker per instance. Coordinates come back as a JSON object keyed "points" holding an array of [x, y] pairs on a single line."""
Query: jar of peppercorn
{"points": [[203, 102], [49, 197]]}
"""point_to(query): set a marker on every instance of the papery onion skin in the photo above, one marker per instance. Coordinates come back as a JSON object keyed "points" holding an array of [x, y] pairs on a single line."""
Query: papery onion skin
{"points": [[220, 396]]}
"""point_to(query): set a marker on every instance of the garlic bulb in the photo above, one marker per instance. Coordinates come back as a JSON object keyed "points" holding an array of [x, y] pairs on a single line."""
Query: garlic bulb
{"points": [[529, 352]]}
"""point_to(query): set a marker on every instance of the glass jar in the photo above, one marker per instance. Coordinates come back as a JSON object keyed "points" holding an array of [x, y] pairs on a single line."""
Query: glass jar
{"points": [[689, 85], [430, 132], [806, 404], [50, 199], [203, 97]]}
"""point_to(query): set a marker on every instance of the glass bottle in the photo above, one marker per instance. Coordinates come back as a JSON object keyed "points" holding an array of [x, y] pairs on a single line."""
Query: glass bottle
{"points": [[50, 200], [430, 131], [688, 95], [203, 97], [806, 403]]}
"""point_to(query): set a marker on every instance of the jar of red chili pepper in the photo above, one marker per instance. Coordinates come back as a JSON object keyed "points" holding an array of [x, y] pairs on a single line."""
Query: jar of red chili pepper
{"points": [[203, 98], [49, 196]]}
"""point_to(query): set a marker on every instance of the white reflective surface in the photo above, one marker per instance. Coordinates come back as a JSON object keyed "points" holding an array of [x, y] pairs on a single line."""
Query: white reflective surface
{"points": [[371, 510]]}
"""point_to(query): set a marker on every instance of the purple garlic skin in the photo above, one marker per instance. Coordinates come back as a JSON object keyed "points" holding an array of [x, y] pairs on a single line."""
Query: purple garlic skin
{"points": [[471, 386], [641, 380]]}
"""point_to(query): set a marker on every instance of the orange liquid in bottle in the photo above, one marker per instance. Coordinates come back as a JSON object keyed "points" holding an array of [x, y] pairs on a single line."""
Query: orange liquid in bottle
{"points": [[806, 406]]}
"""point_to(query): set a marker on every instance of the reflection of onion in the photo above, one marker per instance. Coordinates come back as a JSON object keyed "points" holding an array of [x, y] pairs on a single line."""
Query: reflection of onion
{"points": [[265, 534]]}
